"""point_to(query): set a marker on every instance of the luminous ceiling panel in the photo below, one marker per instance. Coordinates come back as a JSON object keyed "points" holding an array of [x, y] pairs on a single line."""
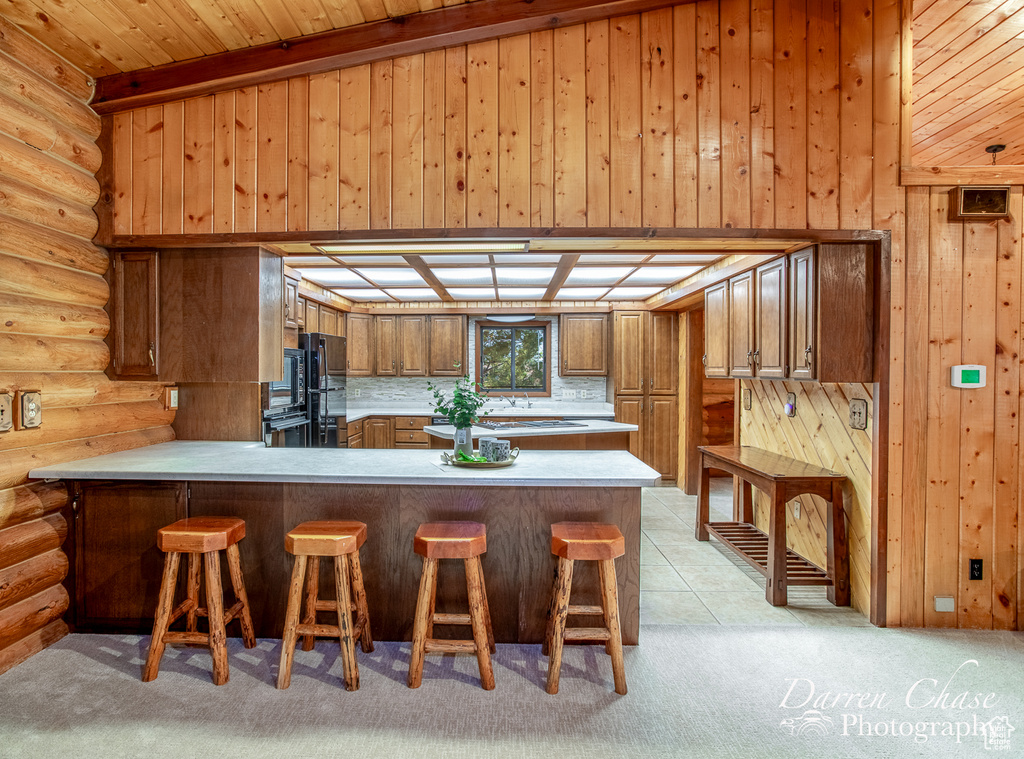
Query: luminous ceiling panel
{"points": [[521, 293], [660, 275], [457, 259], [632, 293], [364, 260], [525, 275], [580, 293], [612, 258], [597, 275], [392, 276], [414, 293], [333, 276], [471, 276], [362, 295], [527, 258], [471, 293], [677, 258]]}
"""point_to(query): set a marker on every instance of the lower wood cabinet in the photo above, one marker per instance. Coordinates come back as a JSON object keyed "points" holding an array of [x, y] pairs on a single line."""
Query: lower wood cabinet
{"points": [[379, 433], [117, 564], [657, 439]]}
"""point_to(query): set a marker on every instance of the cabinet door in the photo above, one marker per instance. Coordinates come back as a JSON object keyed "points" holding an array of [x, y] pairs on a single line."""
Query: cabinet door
{"points": [[291, 303], [662, 417], [771, 348], [300, 314], [360, 345], [447, 345], [328, 321], [801, 315], [629, 352], [378, 433], [741, 325], [663, 353], [629, 410], [412, 344], [716, 331], [118, 566], [136, 314], [583, 345], [312, 316], [386, 342]]}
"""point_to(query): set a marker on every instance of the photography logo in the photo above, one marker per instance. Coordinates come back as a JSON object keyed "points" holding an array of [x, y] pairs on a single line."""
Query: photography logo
{"points": [[811, 722]]}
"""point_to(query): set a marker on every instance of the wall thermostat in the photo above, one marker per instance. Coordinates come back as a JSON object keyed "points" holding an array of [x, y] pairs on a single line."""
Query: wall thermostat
{"points": [[968, 375]]}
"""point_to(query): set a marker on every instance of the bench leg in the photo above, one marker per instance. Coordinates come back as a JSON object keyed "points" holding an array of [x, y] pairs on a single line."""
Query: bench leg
{"points": [[560, 608], [703, 502], [775, 589], [746, 504], [215, 613], [838, 549], [291, 621], [163, 615]]}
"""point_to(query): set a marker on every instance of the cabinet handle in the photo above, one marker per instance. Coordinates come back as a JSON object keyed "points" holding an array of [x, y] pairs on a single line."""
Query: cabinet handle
{"points": [[565, 364], [704, 359], [392, 363], [757, 357], [152, 354], [641, 382], [401, 365], [750, 359], [650, 382], [807, 356]]}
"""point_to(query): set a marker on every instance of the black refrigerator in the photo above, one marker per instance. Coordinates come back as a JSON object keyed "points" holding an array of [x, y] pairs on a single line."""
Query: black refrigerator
{"points": [[325, 385]]}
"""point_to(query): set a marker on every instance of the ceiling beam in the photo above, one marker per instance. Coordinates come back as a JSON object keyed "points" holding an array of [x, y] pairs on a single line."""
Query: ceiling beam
{"points": [[433, 282], [561, 274], [353, 46]]}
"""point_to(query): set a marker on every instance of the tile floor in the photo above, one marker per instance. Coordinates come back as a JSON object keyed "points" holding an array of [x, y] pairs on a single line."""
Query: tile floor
{"points": [[687, 582]]}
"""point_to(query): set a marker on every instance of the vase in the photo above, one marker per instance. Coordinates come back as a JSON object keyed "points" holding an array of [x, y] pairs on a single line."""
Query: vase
{"points": [[464, 440]]}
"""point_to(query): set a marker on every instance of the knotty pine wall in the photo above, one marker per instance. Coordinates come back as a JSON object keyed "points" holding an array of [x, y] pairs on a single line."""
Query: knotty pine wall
{"points": [[52, 325]]}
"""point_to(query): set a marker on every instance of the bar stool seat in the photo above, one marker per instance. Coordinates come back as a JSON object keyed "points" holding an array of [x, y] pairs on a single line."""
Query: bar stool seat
{"points": [[308, 542], [195, 537], [452, 540], [585, 541]]}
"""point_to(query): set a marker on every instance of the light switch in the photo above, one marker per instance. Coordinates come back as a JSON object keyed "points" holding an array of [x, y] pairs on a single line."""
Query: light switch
{"points": [[6, 412]]}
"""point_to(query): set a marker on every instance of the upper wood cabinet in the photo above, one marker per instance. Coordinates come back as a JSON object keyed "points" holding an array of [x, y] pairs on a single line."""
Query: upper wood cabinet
{"points": [[716, 331], [328, 321], [770, 320], [628, 349], [300, 313], [646, 352], [583, 345], [291, 303], [412, 346], [136, 317], [801, 315], [662, 351], [312, 316], [386, 345], [447, 345], [360, 347], [741, 325]]}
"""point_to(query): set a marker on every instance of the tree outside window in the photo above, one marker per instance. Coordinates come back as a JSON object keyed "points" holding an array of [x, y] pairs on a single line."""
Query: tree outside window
{"points": [[513, 358]]}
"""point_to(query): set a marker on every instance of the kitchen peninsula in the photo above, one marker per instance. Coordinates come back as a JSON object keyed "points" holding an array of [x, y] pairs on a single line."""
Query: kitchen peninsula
{"points": [[392, 491]]}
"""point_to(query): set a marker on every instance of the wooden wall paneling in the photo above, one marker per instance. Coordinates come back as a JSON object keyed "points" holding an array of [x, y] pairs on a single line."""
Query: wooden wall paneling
{"points": [[709, 120], [41, 316], [790, 115], [245, 159], [40, 207], [172, 169], [297, 150], [762, 113], [19, 46], [977, 407], [197, 172], [684, 83], [482, 134], [53, 282], [945, 305], [626, 122], [433, 138], [224, 162], [598, 125], [324, 134], [34, 244], [856, 114], [381, 115], [455, 140], [407, 142], [542, 126], [658, 118], [147, 145], [570, 146], [1006, 379], [354, 143], [272, 132], [823, 124], [514, 131], [735, 113]]}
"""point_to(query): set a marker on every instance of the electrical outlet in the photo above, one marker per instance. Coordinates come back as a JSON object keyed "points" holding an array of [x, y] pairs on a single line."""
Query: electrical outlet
{"points": [[748, 398], [790, 406], [29, 405], [796, 509], [976, 571], [356, 392], [583, 393], [568, 393], [6, 412], [945, 603], [858, 414]]}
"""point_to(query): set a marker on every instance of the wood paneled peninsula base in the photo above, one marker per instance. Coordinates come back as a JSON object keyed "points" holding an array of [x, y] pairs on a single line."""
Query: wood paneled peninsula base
{"points": [[392, 491]]}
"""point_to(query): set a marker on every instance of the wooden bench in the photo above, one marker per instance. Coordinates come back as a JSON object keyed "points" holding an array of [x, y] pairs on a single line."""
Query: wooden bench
{"points": [[782, 479]]}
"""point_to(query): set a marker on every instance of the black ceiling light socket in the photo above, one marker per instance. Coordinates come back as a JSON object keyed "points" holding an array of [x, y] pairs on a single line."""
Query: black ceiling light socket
{"points": [[995, 148]]}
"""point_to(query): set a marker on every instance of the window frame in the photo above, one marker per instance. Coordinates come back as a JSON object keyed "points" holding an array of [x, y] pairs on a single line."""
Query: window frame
{"points": [[545, 324]]}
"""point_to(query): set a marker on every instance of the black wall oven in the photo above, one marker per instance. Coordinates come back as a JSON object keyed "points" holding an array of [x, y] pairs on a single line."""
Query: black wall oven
{"points": [[285, 407]]}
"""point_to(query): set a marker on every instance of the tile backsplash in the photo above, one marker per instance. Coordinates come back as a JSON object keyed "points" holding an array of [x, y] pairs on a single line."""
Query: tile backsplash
{"points": [[414, 390]]}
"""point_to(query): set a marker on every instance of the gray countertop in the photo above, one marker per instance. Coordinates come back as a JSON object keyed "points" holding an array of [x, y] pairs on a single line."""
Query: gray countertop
{"points": [[588, 427], [252, 462], [576, 411]]}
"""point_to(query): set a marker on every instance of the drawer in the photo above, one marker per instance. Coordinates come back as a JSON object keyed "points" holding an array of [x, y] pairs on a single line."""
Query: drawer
{"points": [[355, 441], [411, 422], [411, 436], [355, 428], [411, 445]]}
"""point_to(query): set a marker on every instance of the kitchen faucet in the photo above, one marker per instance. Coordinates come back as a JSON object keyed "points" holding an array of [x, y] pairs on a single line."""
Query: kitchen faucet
{"points": [[512, 401], [527, 397]]}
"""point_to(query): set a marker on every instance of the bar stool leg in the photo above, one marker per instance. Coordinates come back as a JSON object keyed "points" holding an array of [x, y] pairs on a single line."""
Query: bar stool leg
{"points": [[312, 596], [238, 585], [215, 613], [419, 628], [477, 606], [545, 647], [362, 613], [433, 606], [487, 608], [349, 665], [192, 593], [561, 611], [291, 621], [610, 595], [163, 615]]}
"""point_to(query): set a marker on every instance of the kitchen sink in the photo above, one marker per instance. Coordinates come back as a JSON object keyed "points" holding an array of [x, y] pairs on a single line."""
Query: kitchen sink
{"points": [[530, 423]]}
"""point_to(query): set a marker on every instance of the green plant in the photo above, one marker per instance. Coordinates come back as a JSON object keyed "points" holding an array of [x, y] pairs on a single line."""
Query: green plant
{"points": [[461, 409]]}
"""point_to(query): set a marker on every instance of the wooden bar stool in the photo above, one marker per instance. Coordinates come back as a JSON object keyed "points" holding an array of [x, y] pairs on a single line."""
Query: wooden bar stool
{"points": [[206, 537], [452, 540], [308, 542], [587, 541]]}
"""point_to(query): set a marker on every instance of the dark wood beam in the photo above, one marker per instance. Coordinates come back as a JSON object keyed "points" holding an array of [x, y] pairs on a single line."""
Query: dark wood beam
{"points": [[428, 276], [353, 46], [562, 272]]}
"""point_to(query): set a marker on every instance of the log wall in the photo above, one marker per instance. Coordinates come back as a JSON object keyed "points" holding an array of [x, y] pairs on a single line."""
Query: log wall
{"points": [[52, 329]]}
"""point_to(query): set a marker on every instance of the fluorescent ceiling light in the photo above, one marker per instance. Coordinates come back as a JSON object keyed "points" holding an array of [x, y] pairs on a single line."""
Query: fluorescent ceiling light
{"points": [[678, 258], [363, 260], [294, 261], [362, 295], [333, 276], [510, 318], [393, 276], [425, 246], [414, 293], [597, 275], [613, 258], [580, 293], [632, 293], [527, 258], [526, 275], [471, 293], [521, 293], [660, 275], [456, 259], [473, 276]]}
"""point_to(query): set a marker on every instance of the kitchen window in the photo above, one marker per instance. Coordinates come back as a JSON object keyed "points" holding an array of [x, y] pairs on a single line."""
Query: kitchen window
{"points": [[514, 358]]}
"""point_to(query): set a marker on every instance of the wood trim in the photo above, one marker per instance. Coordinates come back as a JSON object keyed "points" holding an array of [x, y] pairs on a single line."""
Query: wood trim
{"points": [[360, 44], [806, 236], [432, 281], [562, 272], [695, 289], [938, 176], [880, 435], [546, 324], [104, 207]]}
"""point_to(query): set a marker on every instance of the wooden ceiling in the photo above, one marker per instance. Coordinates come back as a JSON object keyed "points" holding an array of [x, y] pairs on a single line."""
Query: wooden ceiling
{"points": [[968, 89]]}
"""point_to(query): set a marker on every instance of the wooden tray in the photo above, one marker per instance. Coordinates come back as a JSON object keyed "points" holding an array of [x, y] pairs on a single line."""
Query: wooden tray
{"points": [[451, 460]]}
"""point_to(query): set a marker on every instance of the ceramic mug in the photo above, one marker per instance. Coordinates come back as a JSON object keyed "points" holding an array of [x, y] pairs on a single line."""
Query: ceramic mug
{"points": [[485, 447], [499, 450]]}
